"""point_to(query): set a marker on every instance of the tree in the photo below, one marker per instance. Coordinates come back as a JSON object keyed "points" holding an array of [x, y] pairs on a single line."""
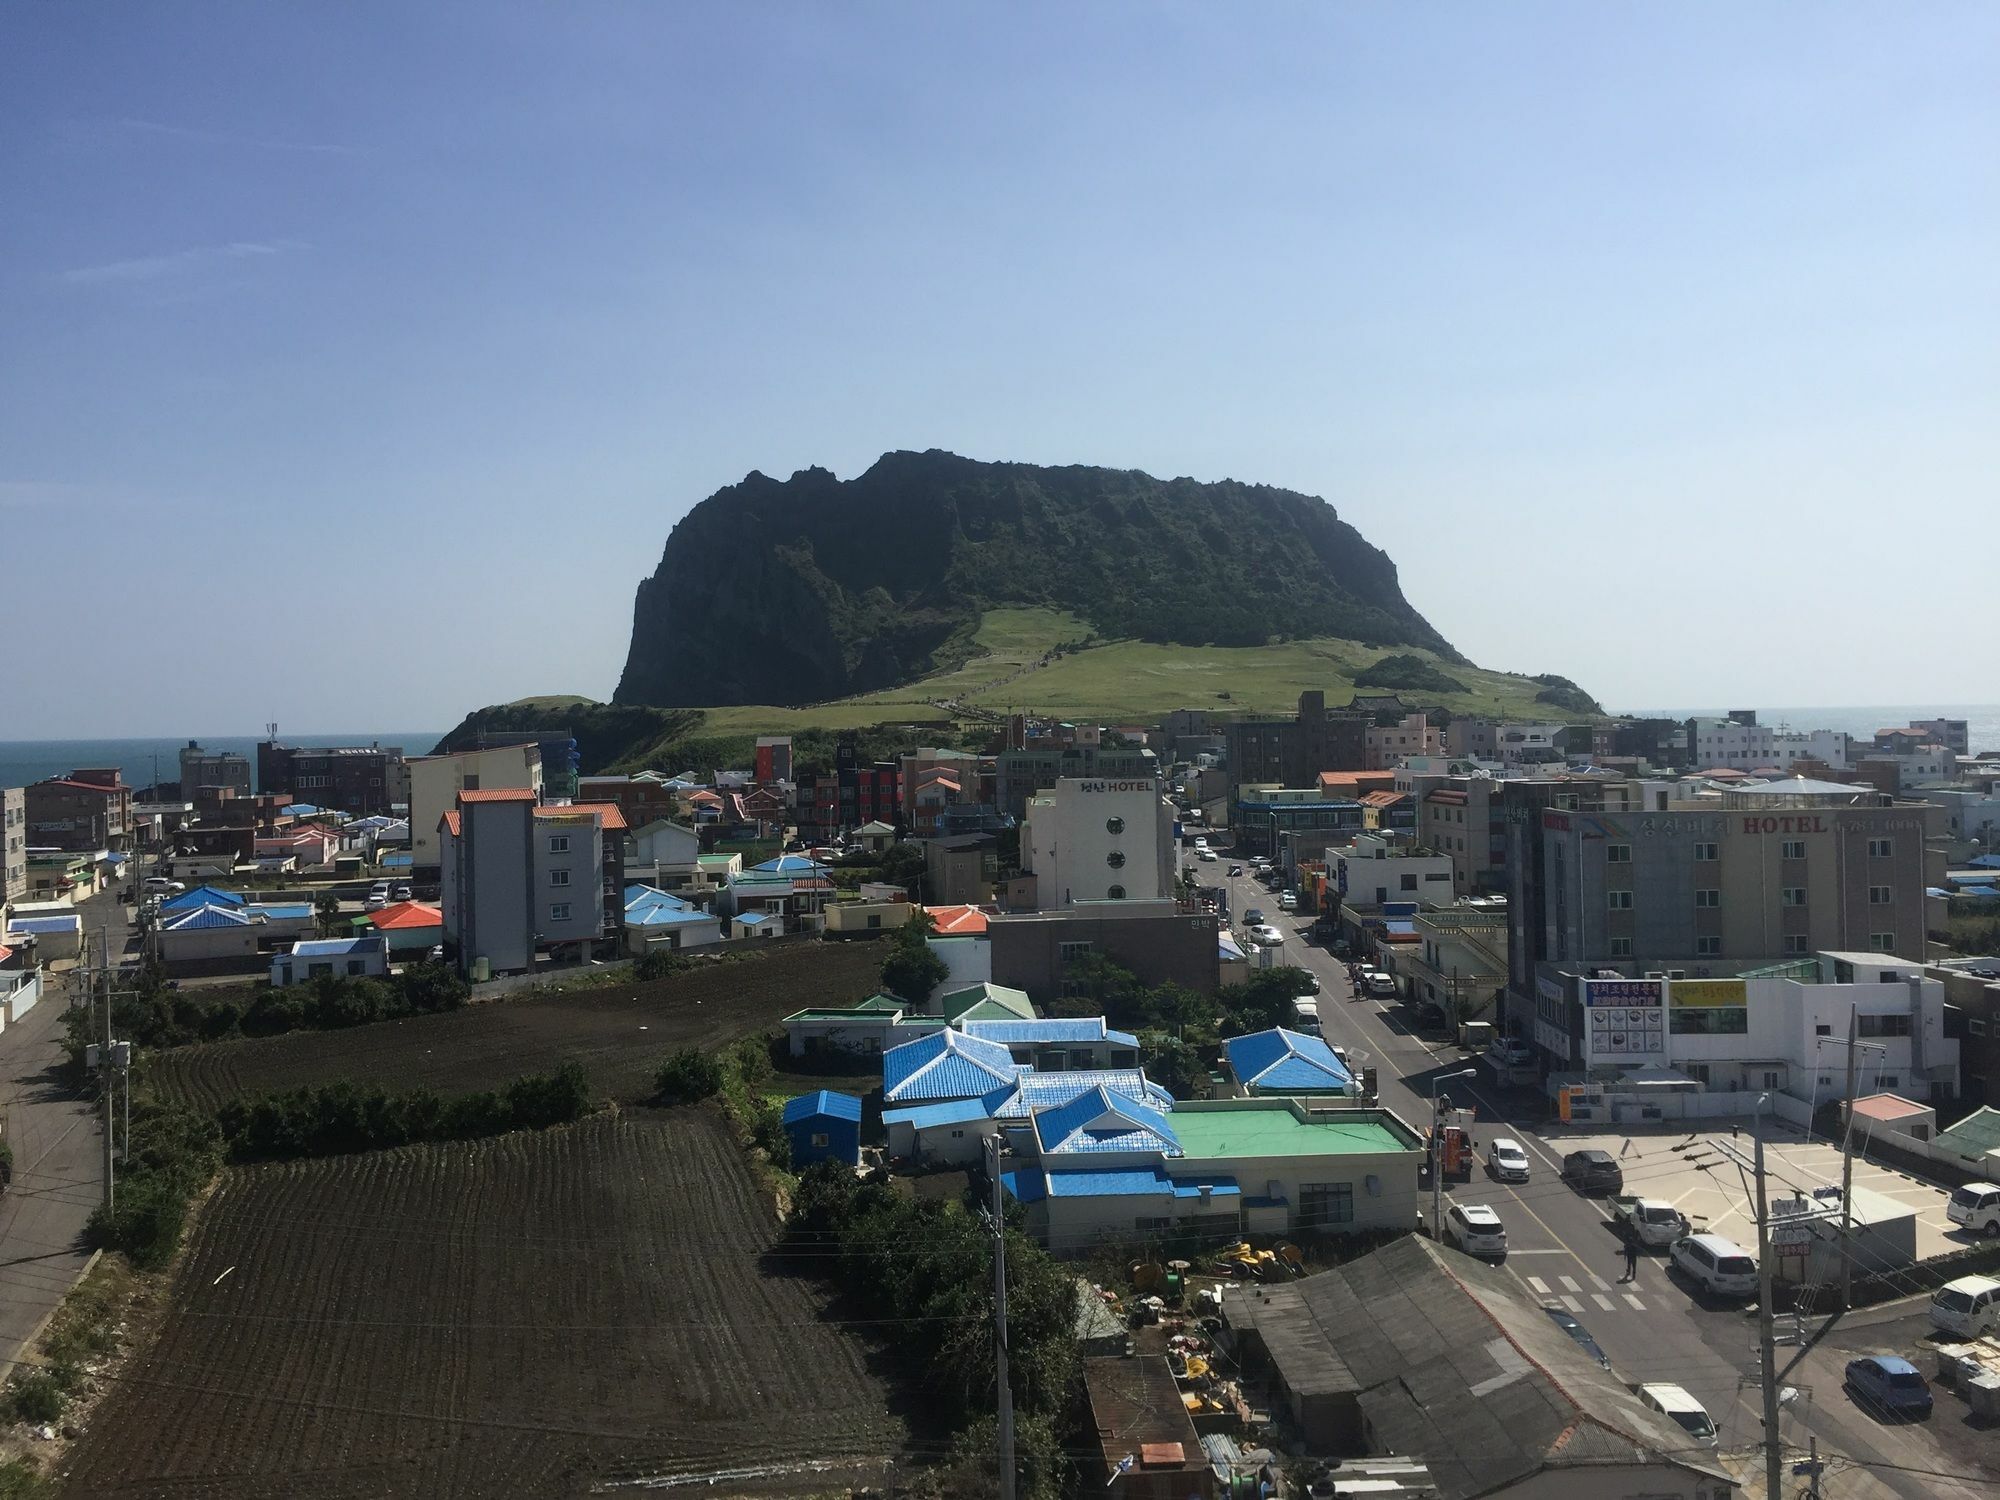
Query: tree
{"points": [[911, 969], [688, 1077], [1263, 1000], [903, 864], [1174, 1065], [326, 912]]}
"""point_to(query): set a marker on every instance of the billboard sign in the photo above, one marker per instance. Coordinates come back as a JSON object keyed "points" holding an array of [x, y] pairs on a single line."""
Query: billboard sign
{"points": [[1625, 1018]]}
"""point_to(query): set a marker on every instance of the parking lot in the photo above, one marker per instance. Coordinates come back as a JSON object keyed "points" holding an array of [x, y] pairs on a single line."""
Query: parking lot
{"points": [[1704, 1182]]}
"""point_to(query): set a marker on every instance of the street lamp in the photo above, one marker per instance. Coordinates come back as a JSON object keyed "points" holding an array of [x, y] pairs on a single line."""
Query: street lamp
{"points": [[1437, 1160]]}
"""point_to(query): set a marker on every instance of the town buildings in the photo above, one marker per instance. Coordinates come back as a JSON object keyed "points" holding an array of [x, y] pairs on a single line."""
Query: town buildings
{"points": [[1390, 745], [1292, 752], [854, 794], [364, 780], [13, 846], [1022, 774], [518, 877], [91, 808], [1740, 743], [1156, 940], [1090, 839], [222, 769], [436, 781]]}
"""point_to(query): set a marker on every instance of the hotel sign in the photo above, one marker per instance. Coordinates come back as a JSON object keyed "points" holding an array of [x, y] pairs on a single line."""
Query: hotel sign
{"points": [[1115, 786]]}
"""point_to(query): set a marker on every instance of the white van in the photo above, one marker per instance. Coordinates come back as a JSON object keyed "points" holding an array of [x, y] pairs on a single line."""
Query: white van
{"points": [[1307, 1012], [1967, 1307], [1720, 1266], [1976, 1207], [1674, 1403]]}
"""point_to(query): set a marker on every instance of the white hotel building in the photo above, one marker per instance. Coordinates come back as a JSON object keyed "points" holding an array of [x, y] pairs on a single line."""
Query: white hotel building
{"points": [[1096, 839]]}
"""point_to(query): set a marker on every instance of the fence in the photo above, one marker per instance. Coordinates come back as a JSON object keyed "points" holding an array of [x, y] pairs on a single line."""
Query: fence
{"points": [[21, 999], [1646, 1106]]}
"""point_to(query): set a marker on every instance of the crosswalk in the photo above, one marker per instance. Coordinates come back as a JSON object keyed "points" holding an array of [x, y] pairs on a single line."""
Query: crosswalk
{"points": [[1570, 1293]]}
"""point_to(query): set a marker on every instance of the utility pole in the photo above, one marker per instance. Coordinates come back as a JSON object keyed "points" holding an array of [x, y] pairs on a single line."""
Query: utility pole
{"points": [[1767, 1357], [1003, 1392], [104, 1070], [1847, 1176]]}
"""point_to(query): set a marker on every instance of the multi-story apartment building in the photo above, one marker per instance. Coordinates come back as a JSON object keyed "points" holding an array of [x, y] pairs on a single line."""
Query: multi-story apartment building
{"points": [[1740, 743], [518, 878], [1954, 734], [1088, 839], [772, 758], [1473, 738], [366, 780], [643, 797], [13, 846], [1292, 752], [1707, 887], [854, 795], [1461, 818], [223, 769], [1020, 775], [437, 780], [91, 808]]}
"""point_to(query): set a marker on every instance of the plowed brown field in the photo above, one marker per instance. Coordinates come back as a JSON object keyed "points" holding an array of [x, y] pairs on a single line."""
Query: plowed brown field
{"points": [[538, 1315], [620, 1035]]}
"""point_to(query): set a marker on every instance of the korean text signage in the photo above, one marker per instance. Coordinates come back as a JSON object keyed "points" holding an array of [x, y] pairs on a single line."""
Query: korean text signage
{"points": [[1625, 1017], [1708, 993]]}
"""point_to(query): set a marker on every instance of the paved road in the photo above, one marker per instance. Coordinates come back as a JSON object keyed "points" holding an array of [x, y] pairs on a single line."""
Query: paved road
{"points": [[1560, 1246], [58, 1171]]}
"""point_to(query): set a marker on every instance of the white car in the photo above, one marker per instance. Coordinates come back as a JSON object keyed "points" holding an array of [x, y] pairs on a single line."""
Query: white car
{"points": [[1475, 1229], [159, 885], [1206, 856], [378, 896], [1507, 1161], [1267, 936], [1288, 902], [1976, 1207], [1719, 1266], [1968, 1307], [1379, 983], [1674, 1403]]}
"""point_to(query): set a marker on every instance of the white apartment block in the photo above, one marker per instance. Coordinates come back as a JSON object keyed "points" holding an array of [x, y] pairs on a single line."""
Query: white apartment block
{"points": [[1377, 869], [436, 781], [1726, 744], [1098, 839]]}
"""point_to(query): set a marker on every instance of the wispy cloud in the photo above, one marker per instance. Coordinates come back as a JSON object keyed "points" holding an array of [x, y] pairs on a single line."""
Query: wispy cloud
{"points": [[178, 262], [222, 137]]}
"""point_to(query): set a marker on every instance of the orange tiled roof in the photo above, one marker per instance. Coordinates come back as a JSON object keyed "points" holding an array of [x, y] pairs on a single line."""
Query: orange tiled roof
{"points": [[408, 914], [499, 794], [958, 921], [609, 813], [452, 821], [1383, 798]]}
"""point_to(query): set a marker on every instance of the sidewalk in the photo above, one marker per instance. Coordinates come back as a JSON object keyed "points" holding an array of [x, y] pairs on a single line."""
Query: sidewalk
{"points": [[58, 1173]]}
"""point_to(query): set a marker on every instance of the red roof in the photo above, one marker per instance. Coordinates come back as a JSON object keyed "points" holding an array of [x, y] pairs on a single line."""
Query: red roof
{"points": [[451, 820], [498, 794], [86, 786], [958, 921], [703, 796], [609, 814], [408, 914], [1383, 799], [1448, 797], [1888, 1107]]}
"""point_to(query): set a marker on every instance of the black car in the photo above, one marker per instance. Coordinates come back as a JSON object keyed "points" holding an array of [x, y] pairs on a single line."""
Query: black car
{"points": [[1578, 1332], [1593, 1172]]}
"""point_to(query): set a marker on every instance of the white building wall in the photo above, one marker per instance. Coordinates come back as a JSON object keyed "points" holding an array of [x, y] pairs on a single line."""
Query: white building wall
{"points": [[569, 878], [967, 960], [1070, 843], [1369, 872]]}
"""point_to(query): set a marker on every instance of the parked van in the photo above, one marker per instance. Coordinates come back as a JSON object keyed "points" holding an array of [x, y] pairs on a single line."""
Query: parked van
{"points": [[1307, 1011], [1968, 1307], [1976, 1207], [1674, 1403], [1721, 1267]]}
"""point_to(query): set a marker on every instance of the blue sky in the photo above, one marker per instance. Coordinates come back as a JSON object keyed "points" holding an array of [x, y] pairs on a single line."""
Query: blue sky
{"points": [[355, 360]]}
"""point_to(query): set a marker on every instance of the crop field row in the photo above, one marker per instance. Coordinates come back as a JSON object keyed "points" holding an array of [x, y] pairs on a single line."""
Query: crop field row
{"points": [[547, 1313], [620, 1035]]}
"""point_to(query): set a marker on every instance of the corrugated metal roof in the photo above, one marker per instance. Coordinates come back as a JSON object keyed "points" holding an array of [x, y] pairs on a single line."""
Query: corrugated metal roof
{"points": [[337, 947], [822, 1102], [38, 925], [1048, 1029]]}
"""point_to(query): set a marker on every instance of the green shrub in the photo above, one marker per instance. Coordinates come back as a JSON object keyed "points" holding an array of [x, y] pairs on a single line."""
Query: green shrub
{"points": [[340, 1119], [659, 963], [688, 1077], [35, 1396]]}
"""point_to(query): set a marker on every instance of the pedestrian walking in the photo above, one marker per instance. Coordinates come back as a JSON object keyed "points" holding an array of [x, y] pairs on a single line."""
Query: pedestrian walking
{"points": [[1631, 1258]]}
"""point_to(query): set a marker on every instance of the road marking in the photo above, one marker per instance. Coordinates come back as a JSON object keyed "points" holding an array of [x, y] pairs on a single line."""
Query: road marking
{"points": [[1539, 1252], [1603, 1301], [1570, 1282], [1572, 1304], [1541, 1287], [1637, 1305], [1598, 1281]]}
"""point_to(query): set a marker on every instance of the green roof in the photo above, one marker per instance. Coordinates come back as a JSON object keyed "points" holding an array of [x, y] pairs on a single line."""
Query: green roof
{"points": [[1975, 1135], [718, 860], [883, 1000], [835, 1013], [1219, 1129], [968, 997]]}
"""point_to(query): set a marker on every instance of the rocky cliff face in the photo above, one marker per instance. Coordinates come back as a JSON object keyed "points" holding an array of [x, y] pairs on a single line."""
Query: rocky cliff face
{"points": [[811, 588]]}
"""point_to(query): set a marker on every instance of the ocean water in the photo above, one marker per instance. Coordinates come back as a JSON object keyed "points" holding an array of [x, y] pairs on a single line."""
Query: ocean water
{"points": [[23, 761], [1982, 720]]}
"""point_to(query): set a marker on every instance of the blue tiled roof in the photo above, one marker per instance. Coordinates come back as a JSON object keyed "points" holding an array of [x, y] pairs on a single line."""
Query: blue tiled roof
{"points": [[1034, 1090], [790, 864], [951, 1112], [202, 895], [205, 919], [283, 911], [1065, 1029], [944, 1065], [1100, 1121], [1026, 1185], [822, 1102], [1136, 1182], [759, 918], [44, 924], [1281, 1061]]}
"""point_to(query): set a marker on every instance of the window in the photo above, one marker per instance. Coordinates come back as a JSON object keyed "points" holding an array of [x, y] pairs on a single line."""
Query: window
{"points": [[1697, 1071], [1070, 952], [559, 912], [1883, 1025], [558, 843], [1618, 854], [1708, 947], [1326, 1203], [1409, 882], [1115, 859], [1888, 1080], [874, 919], [558, 877], [470, 782], [1882, 942], [1881, 848], [1114, 825], [1707, 900], [1795, 945], [1974, 1026], [1792, 849], [1709, 1020], [1620, 900], [1621, 947], [1114, 893], [1878, 895], [1792, 895]]}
